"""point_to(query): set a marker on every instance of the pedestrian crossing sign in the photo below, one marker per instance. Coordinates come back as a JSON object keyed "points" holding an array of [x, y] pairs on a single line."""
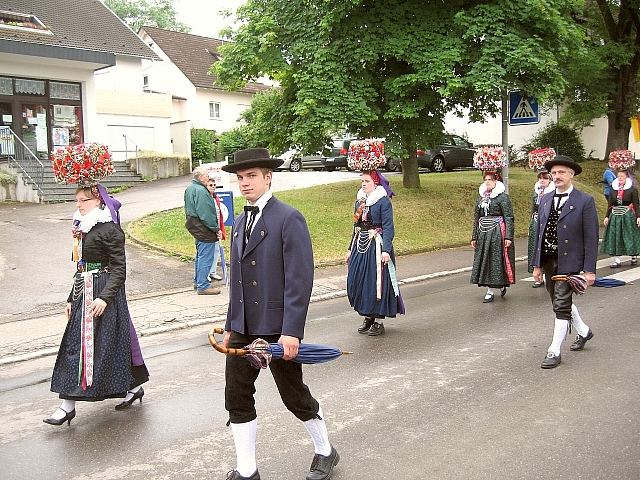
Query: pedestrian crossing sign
{"points": [[522, 110]]}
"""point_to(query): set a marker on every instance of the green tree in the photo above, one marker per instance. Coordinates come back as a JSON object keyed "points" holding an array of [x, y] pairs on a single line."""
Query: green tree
{"points": [[604, 75], [153, 13], [393, 68], [237, 138]]}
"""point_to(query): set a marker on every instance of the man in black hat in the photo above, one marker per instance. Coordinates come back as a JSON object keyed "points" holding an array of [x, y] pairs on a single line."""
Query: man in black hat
{"points": [[567, 243], [270, 289]]}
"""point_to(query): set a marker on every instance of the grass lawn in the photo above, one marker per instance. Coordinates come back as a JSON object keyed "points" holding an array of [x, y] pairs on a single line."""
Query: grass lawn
{"points": [[440, 215]]}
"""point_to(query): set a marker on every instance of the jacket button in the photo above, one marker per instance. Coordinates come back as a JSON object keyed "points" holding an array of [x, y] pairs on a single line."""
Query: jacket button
{"points": [[262, 233], [240, 281], [566, 241], [240, 301], [255, 303], [254, 283], [565, 253], [564, 226], [253, 262]]}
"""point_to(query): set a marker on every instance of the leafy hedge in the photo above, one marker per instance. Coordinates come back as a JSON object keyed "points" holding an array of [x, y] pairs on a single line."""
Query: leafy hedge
{"points": [[563, 138]]}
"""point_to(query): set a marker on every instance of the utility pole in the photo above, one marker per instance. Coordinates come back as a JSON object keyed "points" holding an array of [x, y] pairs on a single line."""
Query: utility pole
{"points": [[505, 138]]}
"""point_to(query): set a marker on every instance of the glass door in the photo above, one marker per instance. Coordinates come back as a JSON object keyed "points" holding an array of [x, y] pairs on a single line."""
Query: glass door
{"points": [[33, 128], [6, 123]]}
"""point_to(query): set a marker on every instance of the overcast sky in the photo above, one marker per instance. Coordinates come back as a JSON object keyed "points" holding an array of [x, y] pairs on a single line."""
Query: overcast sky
{"points": [[203, 16]]}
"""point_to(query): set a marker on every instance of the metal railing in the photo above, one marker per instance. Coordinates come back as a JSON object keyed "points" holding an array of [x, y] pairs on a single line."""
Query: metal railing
{"points": [[14, 150]]}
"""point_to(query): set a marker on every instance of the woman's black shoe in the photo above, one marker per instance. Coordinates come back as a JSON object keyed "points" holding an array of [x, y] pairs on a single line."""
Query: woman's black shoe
{"points": [[503, 291], [127, 403], [376, 329], [59, 421], [366, 325]]}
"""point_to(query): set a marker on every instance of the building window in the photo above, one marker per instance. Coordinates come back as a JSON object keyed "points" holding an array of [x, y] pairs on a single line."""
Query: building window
{"points": [[22, 21], [145, 82], [30, 87], [64, 91], [6, 86], [214, 110]]}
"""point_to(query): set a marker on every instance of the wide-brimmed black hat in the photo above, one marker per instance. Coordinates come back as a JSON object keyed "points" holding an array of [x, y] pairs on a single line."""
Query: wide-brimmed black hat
{"points": [[565, 162], [250, 158]]}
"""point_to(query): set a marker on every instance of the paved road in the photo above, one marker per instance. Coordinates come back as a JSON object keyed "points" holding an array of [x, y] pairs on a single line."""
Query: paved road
{"points": [[453, 391], [35, 244]]}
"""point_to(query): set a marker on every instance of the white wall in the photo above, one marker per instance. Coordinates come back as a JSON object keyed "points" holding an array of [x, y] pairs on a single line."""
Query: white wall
{"points": [[232, 104], [142, 133], [124, 76], [594, 138]]}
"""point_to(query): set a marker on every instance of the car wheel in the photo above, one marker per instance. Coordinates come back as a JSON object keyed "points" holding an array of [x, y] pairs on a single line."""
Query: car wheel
{"points": [[391, 166], [296, 165], [437, 165]]}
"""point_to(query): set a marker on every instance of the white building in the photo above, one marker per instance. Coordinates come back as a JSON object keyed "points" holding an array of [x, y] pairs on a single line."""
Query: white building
{"points": [[184, 74], [70, 72]]}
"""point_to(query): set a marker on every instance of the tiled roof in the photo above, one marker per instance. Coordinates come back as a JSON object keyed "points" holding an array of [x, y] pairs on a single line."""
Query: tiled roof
{"points": [[194, 55], [81, 24]]}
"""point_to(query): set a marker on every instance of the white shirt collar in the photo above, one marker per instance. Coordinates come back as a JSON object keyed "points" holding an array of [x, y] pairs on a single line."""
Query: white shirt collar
{"points": [[568, 191], [372, 197], [497, 190], [262, 201], [93, 217], [616, 184]]}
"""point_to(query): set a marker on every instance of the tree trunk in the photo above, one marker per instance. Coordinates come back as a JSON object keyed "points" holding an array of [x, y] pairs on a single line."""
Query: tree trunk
{"points": [[618, 133], [410, 177]]}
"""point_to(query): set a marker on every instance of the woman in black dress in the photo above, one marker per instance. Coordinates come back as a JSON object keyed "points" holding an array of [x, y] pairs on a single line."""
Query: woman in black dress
{"points": [[99, 356]]}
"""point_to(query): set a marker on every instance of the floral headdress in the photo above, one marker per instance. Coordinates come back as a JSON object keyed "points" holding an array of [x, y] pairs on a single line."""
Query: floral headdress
{"points": [[366, 155], [84, 164], [621, 160], [540, 156], [489, 158]]}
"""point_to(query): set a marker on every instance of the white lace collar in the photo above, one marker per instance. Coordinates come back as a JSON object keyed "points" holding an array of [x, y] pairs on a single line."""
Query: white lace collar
{"points": [[616, 185], [95, 216], [497, 190], [372, 197], [549, 188]]}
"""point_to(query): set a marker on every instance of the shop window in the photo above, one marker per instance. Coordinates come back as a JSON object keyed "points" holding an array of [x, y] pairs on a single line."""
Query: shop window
{"points": [[214, 110], [65, 126], [65, 91], [22, 21], [6, 86], [30, 87]]}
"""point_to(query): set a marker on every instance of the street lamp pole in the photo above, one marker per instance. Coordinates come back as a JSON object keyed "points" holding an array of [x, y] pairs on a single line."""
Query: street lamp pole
{"points": [[505, 138]]}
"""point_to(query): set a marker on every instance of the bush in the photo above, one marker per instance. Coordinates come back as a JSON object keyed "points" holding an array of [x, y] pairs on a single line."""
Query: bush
{"points": [[564, 139], [203, 145], [233, 140]]}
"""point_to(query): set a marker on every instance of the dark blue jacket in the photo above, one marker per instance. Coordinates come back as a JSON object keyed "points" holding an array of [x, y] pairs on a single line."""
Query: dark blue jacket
{"points": [[577, 232], [271, 281]]}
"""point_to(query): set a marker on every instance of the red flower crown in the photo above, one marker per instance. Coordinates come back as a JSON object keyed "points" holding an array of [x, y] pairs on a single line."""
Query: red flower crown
{"points": [[83, 164]]}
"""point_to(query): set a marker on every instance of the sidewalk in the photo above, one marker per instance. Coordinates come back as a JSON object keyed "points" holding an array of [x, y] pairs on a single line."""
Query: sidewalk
{"points": [[171, 310]]}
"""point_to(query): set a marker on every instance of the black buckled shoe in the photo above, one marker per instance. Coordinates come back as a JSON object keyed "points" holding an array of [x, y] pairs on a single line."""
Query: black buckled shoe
{"points": [[322, 467], [550, 361], [376, 329], [234, 475], [366, 325], [537, 285], [68, 416], [503, 291], [581, 341]]}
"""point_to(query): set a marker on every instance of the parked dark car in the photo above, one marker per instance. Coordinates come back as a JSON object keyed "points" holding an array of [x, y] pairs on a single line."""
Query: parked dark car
{"points": [[454, 152], [338, 157]]}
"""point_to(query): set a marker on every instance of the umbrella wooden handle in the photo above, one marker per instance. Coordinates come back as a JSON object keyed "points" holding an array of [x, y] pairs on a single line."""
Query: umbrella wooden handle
{"points": [[559, 278], [221, 348]]}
